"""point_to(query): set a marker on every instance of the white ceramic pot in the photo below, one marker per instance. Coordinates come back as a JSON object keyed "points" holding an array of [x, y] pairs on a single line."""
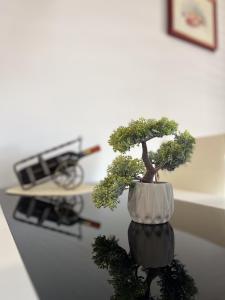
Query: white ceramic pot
{"points": [[151, 203]]}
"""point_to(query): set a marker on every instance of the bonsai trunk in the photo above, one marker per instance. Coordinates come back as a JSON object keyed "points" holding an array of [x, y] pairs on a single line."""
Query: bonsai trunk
{"points": [[151, 171], [152, 273]]}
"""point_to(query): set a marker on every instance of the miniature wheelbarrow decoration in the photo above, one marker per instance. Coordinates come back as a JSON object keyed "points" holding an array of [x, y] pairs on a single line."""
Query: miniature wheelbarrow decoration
{"points": [[63, 168]]}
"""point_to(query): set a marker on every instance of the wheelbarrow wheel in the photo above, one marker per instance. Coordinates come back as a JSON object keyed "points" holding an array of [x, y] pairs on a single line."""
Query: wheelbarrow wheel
{"points": [[68, 175], [68, 204]]}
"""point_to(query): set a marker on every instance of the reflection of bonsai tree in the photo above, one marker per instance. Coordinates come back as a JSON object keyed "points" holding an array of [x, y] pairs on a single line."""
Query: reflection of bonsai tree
{"points": [[124, 169], [107, 254], [174, 281]]}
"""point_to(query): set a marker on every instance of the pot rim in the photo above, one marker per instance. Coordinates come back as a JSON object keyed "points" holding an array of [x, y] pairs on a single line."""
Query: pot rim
{"points": [[151, 183]]}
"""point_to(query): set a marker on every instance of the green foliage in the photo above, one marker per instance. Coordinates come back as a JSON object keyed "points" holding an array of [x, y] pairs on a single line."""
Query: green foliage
{"points": [[120, 174], [107, 252], [124, 138], [126, 166], [106, 193], [176, 283], [174, 153]]}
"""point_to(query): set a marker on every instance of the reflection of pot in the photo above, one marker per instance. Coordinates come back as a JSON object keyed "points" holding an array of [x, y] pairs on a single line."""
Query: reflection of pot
{"points": [[151, 246]]}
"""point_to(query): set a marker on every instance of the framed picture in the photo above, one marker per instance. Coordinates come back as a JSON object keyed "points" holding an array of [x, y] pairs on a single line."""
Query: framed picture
{"points": [[194, 21]]}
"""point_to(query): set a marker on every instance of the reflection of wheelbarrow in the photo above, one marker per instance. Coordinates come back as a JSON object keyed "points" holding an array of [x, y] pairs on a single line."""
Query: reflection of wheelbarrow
{"points": [[55, 214], [63, 168]]}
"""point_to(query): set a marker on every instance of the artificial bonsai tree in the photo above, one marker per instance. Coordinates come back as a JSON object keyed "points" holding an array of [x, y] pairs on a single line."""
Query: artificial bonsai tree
{"points": [[124, 170]]}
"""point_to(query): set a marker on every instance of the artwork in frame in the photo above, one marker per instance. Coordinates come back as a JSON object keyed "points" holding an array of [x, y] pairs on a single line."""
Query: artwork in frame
{"points": [[194, 21]]}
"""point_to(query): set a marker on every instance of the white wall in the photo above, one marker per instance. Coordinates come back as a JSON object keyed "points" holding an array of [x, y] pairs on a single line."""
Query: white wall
{"points": [[70, 67]]}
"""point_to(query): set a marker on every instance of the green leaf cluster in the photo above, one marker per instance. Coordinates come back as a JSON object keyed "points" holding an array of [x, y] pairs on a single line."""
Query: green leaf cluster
{"points": [[126, 166], [176, 283], [174, 153], [120, 174], [124, 138]]}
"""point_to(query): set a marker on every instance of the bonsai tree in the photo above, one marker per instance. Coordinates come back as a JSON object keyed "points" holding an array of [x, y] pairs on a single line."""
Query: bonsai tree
{"points": [[124, 169]]}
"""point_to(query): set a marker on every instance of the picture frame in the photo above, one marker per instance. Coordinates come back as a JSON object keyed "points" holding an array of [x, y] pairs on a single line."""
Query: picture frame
{"points": [[194, 21]]}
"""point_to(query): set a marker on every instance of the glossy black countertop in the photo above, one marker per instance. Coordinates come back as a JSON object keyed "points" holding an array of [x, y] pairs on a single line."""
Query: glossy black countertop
{"points": [[74, 251]]}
